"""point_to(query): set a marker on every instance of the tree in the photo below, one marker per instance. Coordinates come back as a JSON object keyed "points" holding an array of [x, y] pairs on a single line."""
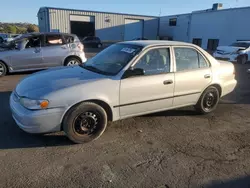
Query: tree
{"points": [[10, 29], [21, 30], [32, 28]]}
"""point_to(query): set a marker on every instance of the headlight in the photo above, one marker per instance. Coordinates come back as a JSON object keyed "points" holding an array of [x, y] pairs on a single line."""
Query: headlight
{"points": [[34, 104]]}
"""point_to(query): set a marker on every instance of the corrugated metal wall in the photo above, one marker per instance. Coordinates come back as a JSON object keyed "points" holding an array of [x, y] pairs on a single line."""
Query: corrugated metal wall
{"points": [[113, 30]]}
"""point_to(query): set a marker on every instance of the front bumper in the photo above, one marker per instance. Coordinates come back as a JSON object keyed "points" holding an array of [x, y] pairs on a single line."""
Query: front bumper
{"points": [[36, 121], [226, 57]]}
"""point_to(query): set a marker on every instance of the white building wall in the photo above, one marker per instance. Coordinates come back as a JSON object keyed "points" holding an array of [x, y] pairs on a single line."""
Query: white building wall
{"points": [[178, 32], [226, 25]]}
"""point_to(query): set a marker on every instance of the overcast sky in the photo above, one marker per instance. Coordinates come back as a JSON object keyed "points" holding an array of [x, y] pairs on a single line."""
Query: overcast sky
{"points": [[26, 10]]}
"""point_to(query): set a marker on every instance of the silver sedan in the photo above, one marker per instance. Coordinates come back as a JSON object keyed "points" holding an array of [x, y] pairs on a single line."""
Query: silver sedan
{"points": [[127, 79]]}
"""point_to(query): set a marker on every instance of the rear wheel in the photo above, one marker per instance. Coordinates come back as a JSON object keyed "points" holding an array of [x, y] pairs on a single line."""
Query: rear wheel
{"points": [[72, 61], [208, 100], [242, 59], [3, 69], [85, 122]]}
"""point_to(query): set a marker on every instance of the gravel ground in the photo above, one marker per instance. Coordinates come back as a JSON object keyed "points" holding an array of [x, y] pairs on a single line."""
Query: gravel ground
{"points": [[176, 148]]}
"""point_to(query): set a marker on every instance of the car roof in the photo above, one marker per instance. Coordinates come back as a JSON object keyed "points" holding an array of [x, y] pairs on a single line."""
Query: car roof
{"points": [[147, 43]]}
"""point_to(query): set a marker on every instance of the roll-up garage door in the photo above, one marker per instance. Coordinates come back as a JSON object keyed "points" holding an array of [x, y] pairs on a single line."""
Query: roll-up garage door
{"points": [[133, 29], [82, 26]]}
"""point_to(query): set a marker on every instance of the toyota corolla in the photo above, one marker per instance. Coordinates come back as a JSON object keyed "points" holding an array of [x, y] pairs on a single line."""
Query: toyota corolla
{"points": [[126, 79]]}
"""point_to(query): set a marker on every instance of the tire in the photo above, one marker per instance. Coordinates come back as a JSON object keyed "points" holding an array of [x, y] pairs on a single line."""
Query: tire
{"points": [[242, 59], [208, 100], [72, 61], [85, 122], [3, 69]]}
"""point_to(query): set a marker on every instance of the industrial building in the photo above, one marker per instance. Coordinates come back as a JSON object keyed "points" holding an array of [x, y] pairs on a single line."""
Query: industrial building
{"points": [[208, 28], [106, 26]]}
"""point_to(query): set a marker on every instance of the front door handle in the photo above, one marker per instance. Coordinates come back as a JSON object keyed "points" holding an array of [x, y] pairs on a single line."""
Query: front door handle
{"points": [[167, 82], [207, 76]]}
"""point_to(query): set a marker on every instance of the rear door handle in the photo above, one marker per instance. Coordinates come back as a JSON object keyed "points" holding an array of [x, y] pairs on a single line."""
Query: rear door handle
{"points": [[207, 76], [167, 82]]}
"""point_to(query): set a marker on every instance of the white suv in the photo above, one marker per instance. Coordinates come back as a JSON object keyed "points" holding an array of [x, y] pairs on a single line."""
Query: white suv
{"points": [[236, 52]]}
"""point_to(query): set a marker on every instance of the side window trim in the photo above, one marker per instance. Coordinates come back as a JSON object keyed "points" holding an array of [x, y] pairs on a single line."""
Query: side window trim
{"points": [[198, 53]]}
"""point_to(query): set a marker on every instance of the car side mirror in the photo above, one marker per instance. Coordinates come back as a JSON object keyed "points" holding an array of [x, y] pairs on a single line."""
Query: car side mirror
{"points": [[131, 72]]}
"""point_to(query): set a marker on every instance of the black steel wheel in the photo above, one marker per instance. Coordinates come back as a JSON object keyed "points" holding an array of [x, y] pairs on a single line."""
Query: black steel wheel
{"points": [[208, 100], [85, 122]]}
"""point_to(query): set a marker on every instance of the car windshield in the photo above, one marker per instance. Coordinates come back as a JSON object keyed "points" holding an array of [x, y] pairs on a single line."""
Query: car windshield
{"points": [[241, 44], [111, 60]]}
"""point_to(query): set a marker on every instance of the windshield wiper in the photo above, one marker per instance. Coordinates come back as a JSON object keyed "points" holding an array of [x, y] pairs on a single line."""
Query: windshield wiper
{"points": [[94, 69]]}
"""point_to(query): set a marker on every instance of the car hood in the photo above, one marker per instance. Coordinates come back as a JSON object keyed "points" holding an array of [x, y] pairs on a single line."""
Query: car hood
{"points": [[229, 49], [44, 82]]}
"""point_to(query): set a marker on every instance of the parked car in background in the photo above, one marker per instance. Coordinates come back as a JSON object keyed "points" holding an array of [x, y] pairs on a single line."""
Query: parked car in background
{"points": [[140, 38], [124, 80], [40, 51], [93, 42], [3, 36], [236, 52]]}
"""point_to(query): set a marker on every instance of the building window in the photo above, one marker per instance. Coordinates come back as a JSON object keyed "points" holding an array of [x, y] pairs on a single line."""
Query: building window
{"points": [[197, 41], [172, 21], [212, 44]]}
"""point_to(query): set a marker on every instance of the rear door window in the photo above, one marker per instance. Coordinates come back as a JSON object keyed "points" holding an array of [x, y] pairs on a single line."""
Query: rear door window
{"points": [[53, 40], [188, 59]]}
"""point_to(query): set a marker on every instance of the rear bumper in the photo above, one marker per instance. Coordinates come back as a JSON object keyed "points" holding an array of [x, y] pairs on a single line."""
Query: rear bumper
{"points": [[228, 87], [228, 57]]}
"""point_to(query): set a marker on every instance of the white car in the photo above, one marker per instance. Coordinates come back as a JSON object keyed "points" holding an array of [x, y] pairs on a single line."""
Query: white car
{"points": [[126, 79], [236, 52]]}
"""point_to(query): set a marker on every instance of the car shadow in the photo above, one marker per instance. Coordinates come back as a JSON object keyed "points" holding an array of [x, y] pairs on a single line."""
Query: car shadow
{"points": [[241, 182], [12, 137]]}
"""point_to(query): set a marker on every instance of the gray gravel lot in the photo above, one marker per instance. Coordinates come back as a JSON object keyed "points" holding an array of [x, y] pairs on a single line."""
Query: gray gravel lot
{"points": [[176, 148]]}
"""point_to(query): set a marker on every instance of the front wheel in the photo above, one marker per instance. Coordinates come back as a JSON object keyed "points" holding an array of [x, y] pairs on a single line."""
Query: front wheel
{"points": [[85, 122], [208, 100]]}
